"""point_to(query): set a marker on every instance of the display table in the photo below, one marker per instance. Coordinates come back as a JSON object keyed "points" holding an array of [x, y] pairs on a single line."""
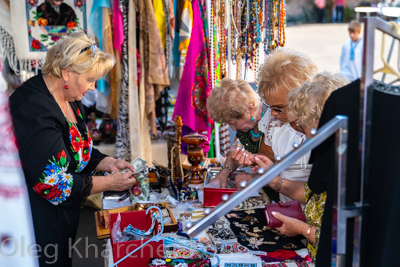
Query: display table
{"points": [[238, 249]]}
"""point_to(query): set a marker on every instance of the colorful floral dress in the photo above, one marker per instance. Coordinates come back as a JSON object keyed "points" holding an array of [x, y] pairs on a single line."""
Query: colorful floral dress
{"points": [[58, 158]]}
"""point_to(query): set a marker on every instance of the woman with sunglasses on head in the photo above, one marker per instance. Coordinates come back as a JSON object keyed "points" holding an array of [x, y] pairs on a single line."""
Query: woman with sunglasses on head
{"points": [[284, 71], [55, 147], [234, 102], [306, 103]]}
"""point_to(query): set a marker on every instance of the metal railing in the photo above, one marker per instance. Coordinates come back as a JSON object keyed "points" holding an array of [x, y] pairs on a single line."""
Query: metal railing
{"points": [[337, 125]]}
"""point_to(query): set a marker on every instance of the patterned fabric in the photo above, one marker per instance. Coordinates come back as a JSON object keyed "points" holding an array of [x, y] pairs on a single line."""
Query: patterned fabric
{"points": [[45, 25], [194, 87], [185, 32], [122, 142], [224, 139], [313, 210], [268, 124], [179, 263]]}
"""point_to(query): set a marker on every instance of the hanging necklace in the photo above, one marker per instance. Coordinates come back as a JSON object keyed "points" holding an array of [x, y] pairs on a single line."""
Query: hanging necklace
{"points": [[66, 103], [281, 31], [259, 132]]}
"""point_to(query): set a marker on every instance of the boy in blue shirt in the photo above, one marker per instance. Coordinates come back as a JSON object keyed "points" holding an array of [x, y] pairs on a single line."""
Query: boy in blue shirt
{"points": [[352, 50]]}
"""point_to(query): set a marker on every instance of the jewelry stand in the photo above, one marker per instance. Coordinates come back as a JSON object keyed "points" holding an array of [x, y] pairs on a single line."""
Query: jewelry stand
{"points": [[174, 153]]}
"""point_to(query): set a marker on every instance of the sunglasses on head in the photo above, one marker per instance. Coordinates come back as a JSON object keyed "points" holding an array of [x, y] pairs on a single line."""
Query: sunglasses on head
{"points": [[278, 110]]}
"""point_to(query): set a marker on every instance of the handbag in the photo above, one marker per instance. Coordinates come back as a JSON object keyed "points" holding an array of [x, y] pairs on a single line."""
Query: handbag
{"points": [[291, 209]]}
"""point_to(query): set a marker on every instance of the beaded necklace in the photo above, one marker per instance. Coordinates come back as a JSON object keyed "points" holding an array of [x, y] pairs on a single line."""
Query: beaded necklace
{"points": [[66, 103], [222, 35], [282, 16], [255, 136]]}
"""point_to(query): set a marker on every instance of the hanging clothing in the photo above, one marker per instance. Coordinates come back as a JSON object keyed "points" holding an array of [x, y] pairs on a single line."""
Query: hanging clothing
{"points": [[118, 27], [122, 141], [185, 33], [159, 12], [224, 139], [194, 87], [100, 23], [156, 72]]}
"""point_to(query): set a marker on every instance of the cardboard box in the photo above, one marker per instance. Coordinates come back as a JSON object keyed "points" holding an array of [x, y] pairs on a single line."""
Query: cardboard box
{"points": [[141, 258]]}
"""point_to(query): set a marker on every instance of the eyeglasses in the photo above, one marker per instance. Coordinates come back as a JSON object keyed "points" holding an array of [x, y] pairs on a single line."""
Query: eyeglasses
{"points": [[278, 110]]}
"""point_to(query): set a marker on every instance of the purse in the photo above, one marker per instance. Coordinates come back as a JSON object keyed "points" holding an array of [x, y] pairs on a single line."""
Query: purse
{"points": [[290, 209]]}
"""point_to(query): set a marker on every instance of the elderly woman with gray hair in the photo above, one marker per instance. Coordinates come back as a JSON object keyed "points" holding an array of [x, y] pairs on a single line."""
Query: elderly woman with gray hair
{"points": [[236, 103]]}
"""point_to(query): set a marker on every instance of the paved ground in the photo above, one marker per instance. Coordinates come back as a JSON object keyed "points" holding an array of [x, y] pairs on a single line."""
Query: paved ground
{"points": [[322, 42]]}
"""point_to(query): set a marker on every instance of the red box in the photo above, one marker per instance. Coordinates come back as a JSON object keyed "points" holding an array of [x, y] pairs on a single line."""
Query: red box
{"points": [[213, 196], [141, 258]]}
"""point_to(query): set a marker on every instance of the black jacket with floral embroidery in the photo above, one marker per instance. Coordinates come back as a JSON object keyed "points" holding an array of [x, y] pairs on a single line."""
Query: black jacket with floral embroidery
{"points": [[57, 160]]}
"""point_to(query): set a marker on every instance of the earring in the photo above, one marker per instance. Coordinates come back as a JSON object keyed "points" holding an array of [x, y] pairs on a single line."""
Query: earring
{"points": [[66, 86], [252, 117]]}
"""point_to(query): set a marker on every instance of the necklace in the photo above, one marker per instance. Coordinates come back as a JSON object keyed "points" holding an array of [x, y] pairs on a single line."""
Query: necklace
{"points": [[259, 132], [281, 31], [66, 103]]}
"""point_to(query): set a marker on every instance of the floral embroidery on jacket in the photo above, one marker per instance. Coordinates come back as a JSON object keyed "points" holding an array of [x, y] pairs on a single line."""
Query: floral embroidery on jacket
{"points": [[81, 148], [56, 184]]}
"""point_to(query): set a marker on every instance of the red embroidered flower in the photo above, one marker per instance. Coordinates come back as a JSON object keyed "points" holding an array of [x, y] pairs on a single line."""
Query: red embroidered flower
{"points": [[79, 113], [73, 132], [71, 24], [76, 145], [76, 139], [86, 150], [47, 191], [61, 155], [55, 38], [201, 85], [78, 4], [35, 44]]}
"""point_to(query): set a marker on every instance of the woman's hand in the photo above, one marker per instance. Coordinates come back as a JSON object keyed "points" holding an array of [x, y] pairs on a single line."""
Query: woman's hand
{"points": [[119, 181], [242, 157], [243, 177], [262, 162], [221, 178], [120, 165], [291, 226]]}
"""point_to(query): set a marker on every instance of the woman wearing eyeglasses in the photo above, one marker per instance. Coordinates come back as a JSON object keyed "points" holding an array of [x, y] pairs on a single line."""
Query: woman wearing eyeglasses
{"points": [[284, 71], [55, 147], [306, 103], [234, 102]]}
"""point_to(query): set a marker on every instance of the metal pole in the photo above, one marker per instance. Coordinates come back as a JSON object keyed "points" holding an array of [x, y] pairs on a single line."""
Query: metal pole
{"points": [[327, 130]]}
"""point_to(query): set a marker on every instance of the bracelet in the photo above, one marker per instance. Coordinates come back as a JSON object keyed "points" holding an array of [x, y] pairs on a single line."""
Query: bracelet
{"points": [[308, 233], [280, 186], [228, 168]]}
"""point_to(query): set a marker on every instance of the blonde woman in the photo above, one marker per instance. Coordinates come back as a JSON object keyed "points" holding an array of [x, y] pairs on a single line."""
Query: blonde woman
{"points": [[284, 71], [306, 103], [55, 146]]}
